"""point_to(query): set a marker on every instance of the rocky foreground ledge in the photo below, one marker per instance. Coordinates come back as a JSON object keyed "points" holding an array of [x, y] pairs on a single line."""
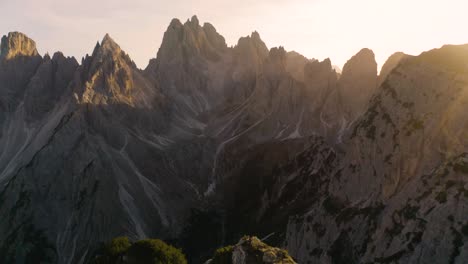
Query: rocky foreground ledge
{"points": [[251, 250]]}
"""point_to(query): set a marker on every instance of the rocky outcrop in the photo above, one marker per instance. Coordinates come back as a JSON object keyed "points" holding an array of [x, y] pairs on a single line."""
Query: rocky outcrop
{"points": [[189, 66], [392, 62], [357, 84], [295, 64], [399, 188], [251, 250], [47, 86], [17, 44], [113, 78], [19, 60]]}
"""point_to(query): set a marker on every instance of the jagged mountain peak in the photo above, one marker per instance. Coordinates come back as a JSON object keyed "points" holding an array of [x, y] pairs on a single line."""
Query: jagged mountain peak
{"points": [[108, 51], [190, 39], [358, 83], [270, 140], [365, 58], [175, 22], [107, 40], [391, 63], [366, 51], [107, 47], [361, 63], [58, 56], [315, 66], [255, 35], [296, 63], [254, 38], [252, 46], [277, 57], [194, 21], [17, 44], [110, 76]]}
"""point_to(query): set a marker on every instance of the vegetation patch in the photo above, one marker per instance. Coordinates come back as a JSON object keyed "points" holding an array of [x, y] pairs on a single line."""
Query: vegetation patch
{"points": [[253, 250], [148, 251], [342, 251], [349, 213], [370, 134], [319, 229], [413, 125], [408, 104], [27, 244], [369, 118], [461, 167], [449, 184], [223, 255], [410, 212], [155, 251], [457, 244], [332, 205], [441, 197]]}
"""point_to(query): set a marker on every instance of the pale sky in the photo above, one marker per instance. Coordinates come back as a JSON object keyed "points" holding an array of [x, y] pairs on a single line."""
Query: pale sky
{"points": [[315, 28]]}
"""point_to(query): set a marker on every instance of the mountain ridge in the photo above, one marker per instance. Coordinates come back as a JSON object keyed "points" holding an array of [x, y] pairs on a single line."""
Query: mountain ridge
{"points": [[210, 142]]}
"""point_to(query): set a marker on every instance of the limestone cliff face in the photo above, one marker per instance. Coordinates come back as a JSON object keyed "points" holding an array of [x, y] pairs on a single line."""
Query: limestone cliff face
{"points": [[16, 45], [19, 60], [232, 140], [30, 91], [357, 84], [322, 89], [113, 78], [400, 188], [295, 64], [189, 66], [47, 86]]}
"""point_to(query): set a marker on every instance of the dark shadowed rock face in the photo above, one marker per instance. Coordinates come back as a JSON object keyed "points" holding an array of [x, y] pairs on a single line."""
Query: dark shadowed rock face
{"points": [[48, 85], [210, 142], [358, 83], [19, 60]]}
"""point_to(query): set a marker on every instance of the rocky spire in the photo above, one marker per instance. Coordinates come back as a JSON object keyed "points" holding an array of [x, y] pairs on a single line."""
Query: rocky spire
{"points": [[358, 82], [194, 21], [17, 44], [314, 70], [362, 62], [107, 47], [391, 63], [251, 50], [253, 43], [109, 74], [277, 59], [188, 40]]}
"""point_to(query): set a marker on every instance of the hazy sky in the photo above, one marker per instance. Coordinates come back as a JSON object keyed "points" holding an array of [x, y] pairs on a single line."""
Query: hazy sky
{"points": [[316, 28]]}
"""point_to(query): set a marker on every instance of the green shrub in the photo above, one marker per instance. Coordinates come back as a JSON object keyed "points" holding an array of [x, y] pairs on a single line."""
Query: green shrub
{"points": [[117, 247], [155, 251], [150, 251], [223, 256]]}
